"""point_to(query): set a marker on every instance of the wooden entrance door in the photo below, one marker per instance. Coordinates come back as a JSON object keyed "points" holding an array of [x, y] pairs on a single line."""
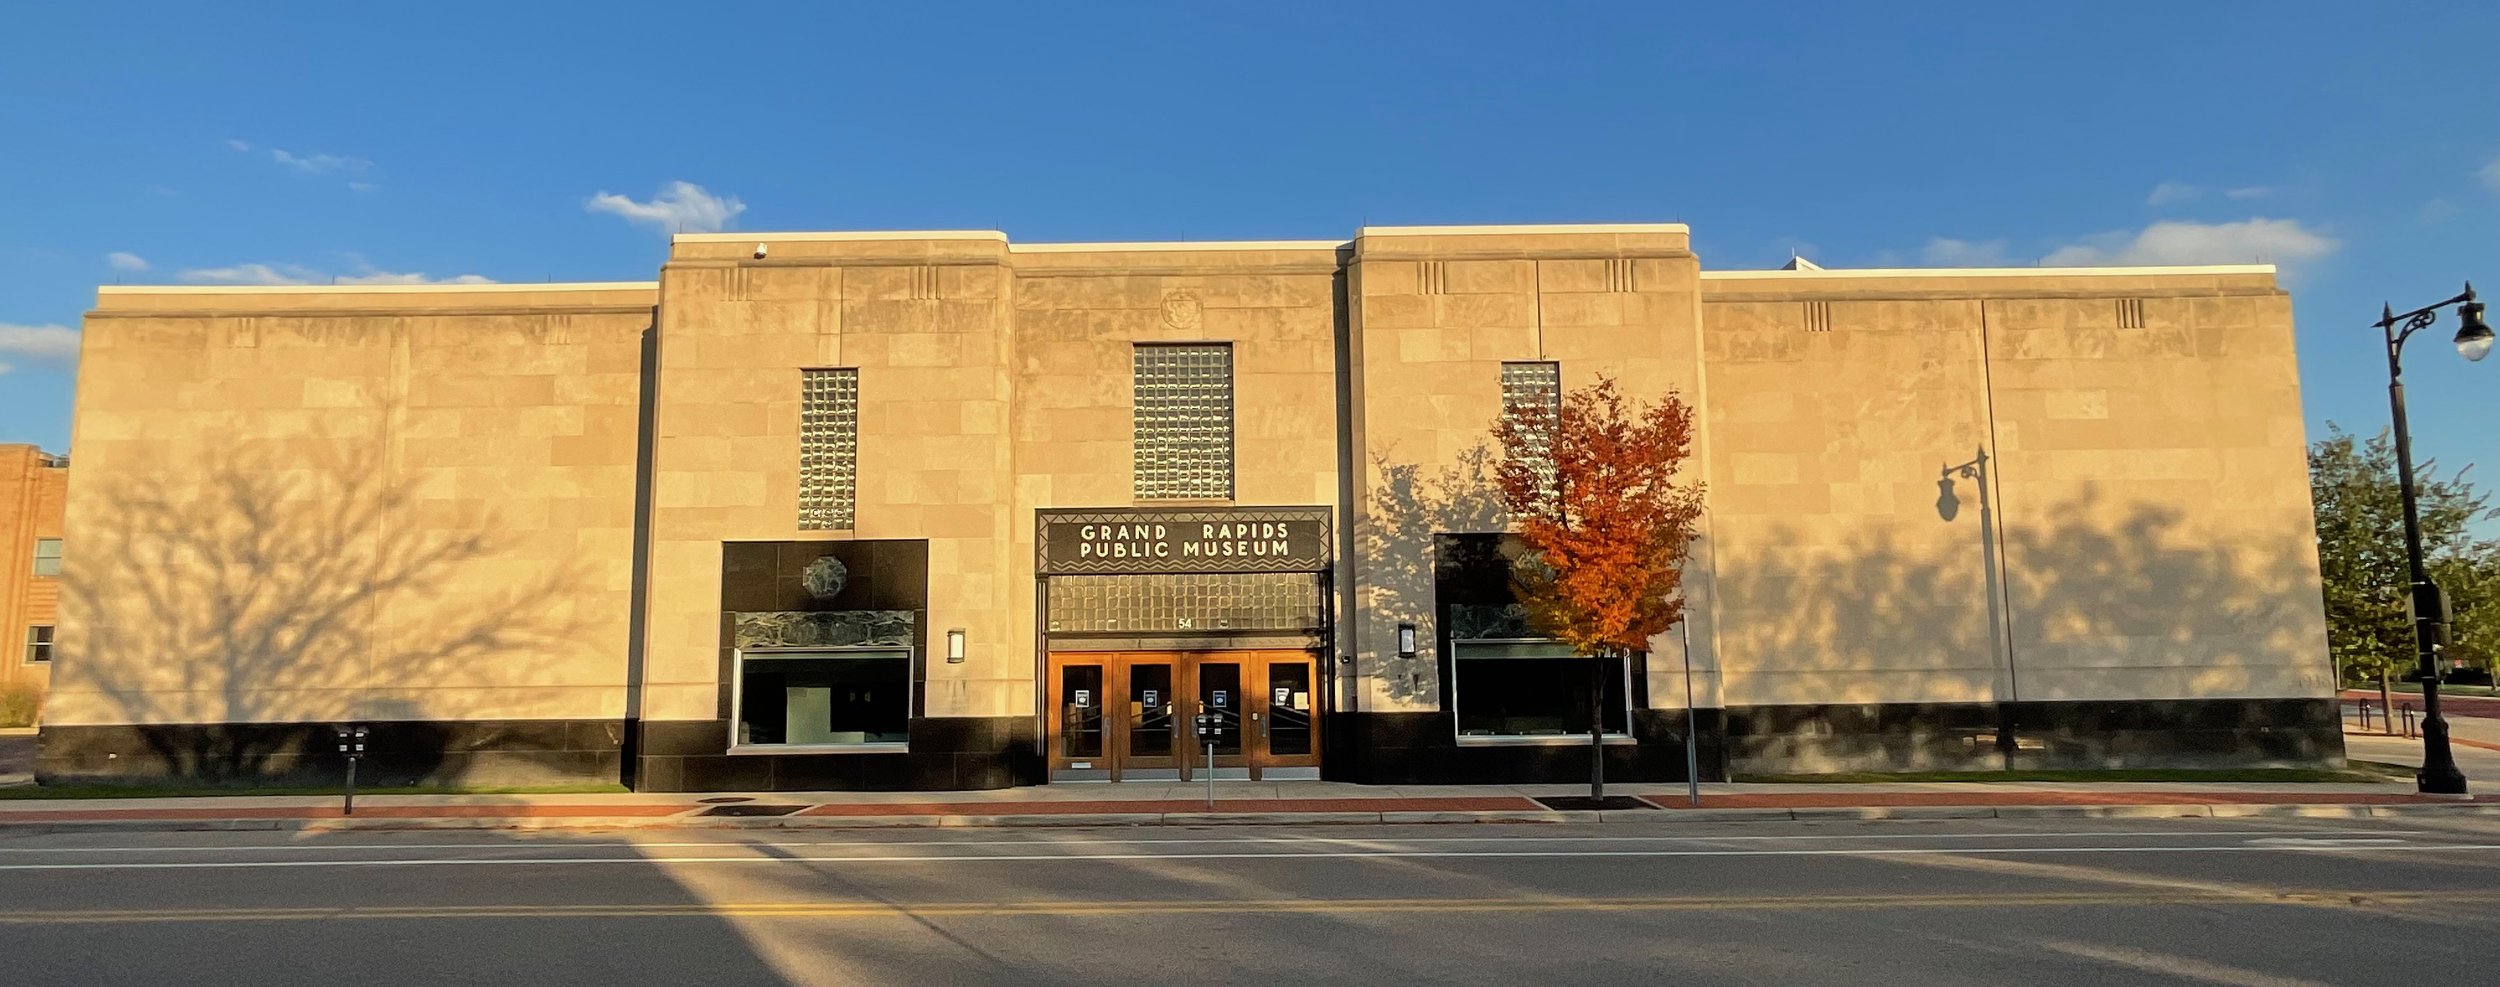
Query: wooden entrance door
{"points": [[1130, 716]]}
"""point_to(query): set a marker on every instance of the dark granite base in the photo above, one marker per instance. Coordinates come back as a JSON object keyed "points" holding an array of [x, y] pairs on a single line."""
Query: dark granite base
{"points": [[397, 753], [945, 754], [2175, 733], [1422, 749]]}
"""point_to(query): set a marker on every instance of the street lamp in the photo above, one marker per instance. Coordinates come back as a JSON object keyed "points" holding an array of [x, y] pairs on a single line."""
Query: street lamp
{"points": [[2439, 774]]}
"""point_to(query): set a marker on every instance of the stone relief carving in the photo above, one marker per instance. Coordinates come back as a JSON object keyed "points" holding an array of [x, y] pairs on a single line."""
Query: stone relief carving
{"points": [[1182, 311], [826, 629]]}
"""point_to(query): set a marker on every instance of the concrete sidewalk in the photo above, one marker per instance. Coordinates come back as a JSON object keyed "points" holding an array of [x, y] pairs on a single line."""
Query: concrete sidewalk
{"points": [[1236, 802]]}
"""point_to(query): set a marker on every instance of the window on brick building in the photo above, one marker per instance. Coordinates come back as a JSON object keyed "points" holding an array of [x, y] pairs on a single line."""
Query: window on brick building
{"points": [[39, 644], [47, 556]]}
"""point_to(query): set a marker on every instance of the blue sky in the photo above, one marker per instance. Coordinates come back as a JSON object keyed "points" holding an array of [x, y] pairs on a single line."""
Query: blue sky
{"points": [[207, 143]]}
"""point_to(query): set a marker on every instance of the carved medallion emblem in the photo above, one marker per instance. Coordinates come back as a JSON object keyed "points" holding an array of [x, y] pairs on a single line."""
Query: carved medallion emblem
{"points": [[825, 578], [1181, 310]]}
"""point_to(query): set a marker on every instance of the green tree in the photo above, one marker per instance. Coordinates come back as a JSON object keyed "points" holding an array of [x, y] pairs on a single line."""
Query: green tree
{"points": [[2361, 556]]}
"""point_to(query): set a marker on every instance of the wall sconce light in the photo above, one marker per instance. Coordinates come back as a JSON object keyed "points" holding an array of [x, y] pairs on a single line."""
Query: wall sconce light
{"points": [[1406, 640], [955, 646]]}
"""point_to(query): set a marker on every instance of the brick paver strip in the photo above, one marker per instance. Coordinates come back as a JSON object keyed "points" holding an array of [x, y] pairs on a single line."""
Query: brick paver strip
{"points": [[332, 812], [1849, 800], [2450, 704], [1088, 808]]}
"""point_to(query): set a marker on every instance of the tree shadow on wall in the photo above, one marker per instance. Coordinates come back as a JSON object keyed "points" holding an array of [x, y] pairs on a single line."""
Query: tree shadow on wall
{"points": [[1409, 506], [231, 610], [2108, 606]]}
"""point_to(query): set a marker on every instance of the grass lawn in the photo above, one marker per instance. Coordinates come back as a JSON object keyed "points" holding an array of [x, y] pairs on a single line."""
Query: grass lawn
{"points": [[2367, 772], [138, 792]]}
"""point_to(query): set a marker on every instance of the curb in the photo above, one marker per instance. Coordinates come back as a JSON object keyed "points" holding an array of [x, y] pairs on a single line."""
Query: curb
{"points": [[1655, 817]]}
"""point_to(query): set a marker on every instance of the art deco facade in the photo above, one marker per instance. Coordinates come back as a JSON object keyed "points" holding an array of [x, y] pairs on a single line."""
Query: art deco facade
{"points": [[938, 510]]}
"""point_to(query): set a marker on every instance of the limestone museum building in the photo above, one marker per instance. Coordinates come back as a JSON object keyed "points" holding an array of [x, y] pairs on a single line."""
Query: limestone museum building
{"points": [[945, 511]]}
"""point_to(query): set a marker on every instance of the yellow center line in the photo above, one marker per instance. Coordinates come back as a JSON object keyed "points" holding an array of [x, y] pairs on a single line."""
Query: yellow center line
{"points": [[820, 910]]}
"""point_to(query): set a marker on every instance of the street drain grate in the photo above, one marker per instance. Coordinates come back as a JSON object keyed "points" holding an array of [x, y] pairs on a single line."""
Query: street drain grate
{"points": [[1577, 802], [751, 810], [725, 800]]}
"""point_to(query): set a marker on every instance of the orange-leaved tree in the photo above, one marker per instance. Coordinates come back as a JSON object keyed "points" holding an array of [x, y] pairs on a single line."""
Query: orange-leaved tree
{"points": [[1595, 485]]}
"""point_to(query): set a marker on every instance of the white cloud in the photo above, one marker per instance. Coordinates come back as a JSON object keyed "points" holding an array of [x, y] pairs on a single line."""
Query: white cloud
{"points": [[317, 163], [2169, 192], [2435, 212], [286, 274], [53, 344], [393, 277], [681, 207], [2491, 174], [2282, 242], [1943, 252], [360, 186], [250, 274], [2248, 192], [123, 260]]}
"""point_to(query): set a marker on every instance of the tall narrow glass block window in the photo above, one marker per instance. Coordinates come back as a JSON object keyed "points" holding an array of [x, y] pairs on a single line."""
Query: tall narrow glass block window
{"points": [[828, 448], [47, 556], [1532, 395], [1184, 421]]}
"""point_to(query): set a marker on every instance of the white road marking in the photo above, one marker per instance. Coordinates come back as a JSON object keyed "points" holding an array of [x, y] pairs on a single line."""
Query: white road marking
{"points": [[2298, 841], [1210, 841], [1321, 855]]}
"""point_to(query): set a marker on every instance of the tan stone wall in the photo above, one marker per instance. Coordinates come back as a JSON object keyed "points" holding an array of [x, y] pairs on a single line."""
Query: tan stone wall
{"points": [[367, 503], [992, 384], [924, 319], [32, 500], [2147, 482], [1080, 311], [1435, 312]]}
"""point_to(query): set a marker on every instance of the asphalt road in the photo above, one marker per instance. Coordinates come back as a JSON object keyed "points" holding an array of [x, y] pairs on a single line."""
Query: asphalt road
{"points": [[2278, 903]]}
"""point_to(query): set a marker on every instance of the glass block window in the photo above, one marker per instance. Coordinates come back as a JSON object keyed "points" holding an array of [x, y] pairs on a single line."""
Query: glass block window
{"points": [[828, 448], [1184, 421], [1532, 394], [1183, 602]]}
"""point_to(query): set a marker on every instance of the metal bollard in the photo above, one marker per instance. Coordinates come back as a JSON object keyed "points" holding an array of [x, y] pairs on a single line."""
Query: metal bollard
{"points": [[2408, 719]]}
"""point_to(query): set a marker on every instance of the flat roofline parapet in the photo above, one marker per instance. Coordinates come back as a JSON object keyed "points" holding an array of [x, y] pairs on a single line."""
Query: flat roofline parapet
{"points": [[1965, 282], [991, 246], [571, 296]]}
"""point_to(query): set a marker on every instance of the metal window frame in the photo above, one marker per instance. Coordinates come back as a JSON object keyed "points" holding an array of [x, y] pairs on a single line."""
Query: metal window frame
{"points": [[738, 699], [1458, 695], [39, 637], [54, 557]]}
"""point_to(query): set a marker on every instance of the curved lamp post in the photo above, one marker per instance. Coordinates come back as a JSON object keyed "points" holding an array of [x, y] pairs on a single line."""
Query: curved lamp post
{"points": [[2439, 774]]}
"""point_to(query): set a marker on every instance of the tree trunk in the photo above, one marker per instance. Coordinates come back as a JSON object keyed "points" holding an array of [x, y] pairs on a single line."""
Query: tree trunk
{"points": [[2386, 705], [1597, 728]]}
